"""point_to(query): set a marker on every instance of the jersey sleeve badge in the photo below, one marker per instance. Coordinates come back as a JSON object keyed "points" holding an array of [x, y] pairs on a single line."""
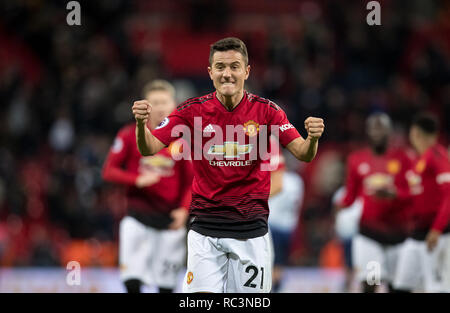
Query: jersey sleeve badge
{"points": [[163, 123]]}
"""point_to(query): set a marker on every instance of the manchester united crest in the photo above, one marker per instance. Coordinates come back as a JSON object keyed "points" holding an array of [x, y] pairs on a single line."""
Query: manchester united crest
{"points": [[393, 167], [251, 128], [420, 166]]}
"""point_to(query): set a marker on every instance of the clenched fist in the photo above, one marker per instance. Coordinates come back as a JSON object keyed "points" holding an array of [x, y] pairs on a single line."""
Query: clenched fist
{"points": [[142, 110], [314, 126]]}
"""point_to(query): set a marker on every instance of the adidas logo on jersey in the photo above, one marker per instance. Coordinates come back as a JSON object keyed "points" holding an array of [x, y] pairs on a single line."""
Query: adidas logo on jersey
{"points": [[209, 129]]}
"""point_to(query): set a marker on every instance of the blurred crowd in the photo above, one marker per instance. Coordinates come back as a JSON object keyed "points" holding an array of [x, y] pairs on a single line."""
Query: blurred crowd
{"points": [[66, 90]]}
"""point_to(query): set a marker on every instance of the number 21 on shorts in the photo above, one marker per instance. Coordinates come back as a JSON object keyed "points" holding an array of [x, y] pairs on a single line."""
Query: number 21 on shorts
{"points": [[253, 272]]}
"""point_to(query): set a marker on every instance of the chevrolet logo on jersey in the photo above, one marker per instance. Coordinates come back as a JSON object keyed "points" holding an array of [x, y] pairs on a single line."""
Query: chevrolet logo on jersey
{"points": [[230, 149], [158, 161], [377, 181], [158, 164]]}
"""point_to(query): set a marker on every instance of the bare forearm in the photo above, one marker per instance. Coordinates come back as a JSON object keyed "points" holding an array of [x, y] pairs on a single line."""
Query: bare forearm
{"points": [[144, 139], [309, 149], [306, 150]]}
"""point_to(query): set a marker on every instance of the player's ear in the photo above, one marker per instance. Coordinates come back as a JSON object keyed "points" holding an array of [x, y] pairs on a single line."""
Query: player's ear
{"points": [[247, 71], [210, 72]]}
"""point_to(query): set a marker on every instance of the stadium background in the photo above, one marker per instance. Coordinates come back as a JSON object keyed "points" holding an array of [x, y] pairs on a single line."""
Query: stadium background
{"points": [[66, 90]]}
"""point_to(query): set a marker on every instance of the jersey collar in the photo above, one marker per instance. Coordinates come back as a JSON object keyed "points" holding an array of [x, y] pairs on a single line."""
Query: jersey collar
{"points": [[244, 98]]}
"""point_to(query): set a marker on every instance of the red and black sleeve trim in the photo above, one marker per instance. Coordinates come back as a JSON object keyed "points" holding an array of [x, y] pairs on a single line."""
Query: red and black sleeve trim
{"points": [[274, 106], [185, 105], [195, 100], [254, 98]]}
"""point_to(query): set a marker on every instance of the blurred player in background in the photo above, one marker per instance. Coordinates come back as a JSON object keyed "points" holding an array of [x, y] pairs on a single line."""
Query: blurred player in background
{"points": [[286, 197], [446, 267], [228, 242], [346, 227], [377, 174], [422, 256], [152, 234]]}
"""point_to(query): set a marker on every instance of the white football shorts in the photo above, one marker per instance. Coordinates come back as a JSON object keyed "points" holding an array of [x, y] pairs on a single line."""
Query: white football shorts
{"points": [[421, 270], [153, 256], [228, 265], [373, 261]]}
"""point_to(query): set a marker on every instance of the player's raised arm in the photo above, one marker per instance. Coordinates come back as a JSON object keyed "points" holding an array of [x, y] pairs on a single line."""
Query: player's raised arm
{"points": [[146, 142], [306, 150]]}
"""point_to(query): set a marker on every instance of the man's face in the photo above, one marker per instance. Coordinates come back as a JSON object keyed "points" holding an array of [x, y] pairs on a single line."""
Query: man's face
{"points": [[414, 136], [377, 132], [228, 72], [162, 105]]}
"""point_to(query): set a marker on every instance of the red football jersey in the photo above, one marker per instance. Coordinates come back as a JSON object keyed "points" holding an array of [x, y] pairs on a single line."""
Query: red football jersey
{"points": [[230, 190], [429, 181], [382, 219], [124, 164]]}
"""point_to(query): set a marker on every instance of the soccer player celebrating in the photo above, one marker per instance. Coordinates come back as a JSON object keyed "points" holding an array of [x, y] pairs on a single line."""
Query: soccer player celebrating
{"points": [[377, 175], [429, 181], [228, 241], [152, 235]]}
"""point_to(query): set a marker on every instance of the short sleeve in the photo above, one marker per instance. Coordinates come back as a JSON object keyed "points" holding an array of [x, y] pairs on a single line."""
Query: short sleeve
{"points": [[172, 127], [120, 145], [113, 166]]}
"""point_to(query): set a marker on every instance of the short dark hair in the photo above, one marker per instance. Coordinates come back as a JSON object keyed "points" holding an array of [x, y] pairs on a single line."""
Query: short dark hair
{"points": [[229, 43], [427, 122]]}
